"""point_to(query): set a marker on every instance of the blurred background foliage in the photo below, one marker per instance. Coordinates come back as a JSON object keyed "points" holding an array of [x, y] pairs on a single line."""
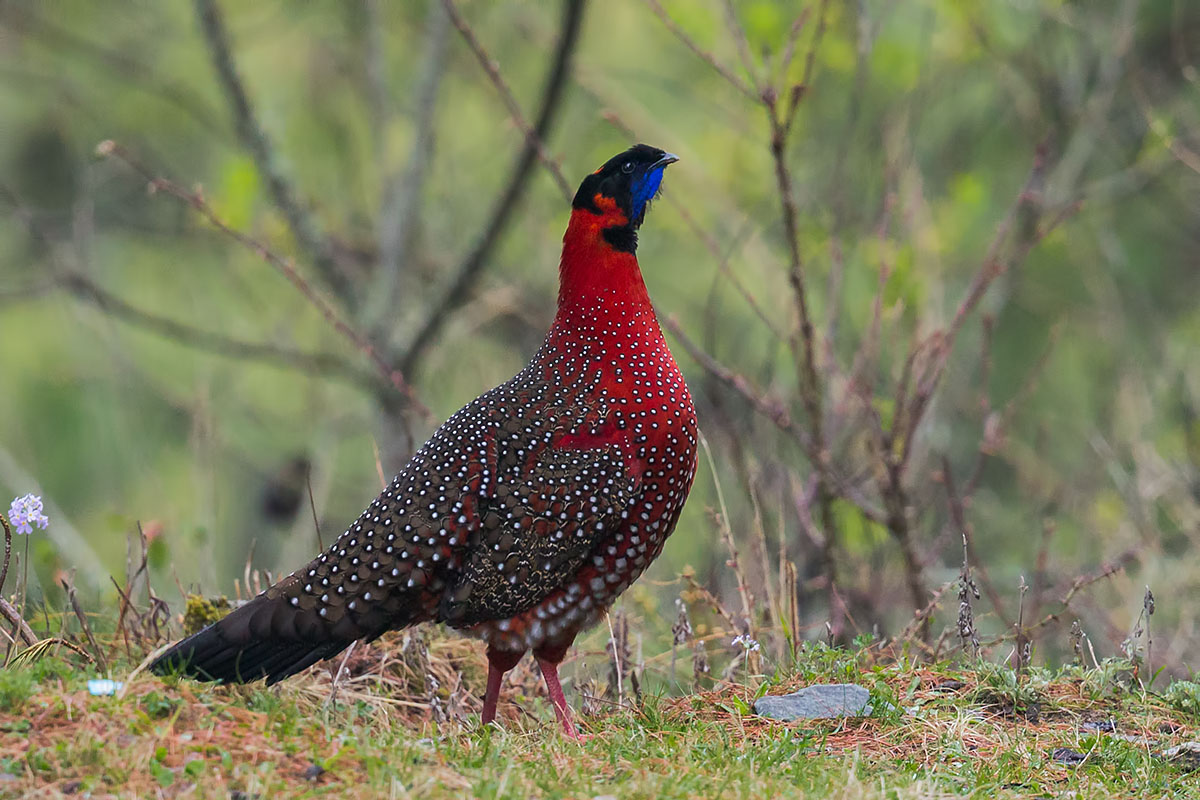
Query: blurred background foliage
{"points": [[1068, 409]]}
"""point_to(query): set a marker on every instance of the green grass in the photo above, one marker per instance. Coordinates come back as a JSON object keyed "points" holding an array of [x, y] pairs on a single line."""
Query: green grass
{"points": [[939, 731]]}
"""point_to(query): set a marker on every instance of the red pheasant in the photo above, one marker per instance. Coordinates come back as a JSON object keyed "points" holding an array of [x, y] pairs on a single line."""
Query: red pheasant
{"points": [[531, 509]]}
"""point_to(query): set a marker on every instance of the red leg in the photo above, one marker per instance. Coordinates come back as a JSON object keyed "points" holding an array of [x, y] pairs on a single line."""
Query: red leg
{"points": [[548, 660], [499, 662]]}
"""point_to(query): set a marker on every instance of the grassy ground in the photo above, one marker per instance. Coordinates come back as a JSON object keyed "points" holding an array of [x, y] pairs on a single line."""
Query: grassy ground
{"points": [[944, 731]]}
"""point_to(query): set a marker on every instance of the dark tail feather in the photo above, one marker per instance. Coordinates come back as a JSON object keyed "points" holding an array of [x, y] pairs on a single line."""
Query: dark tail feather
{"points": [[266, 638]]}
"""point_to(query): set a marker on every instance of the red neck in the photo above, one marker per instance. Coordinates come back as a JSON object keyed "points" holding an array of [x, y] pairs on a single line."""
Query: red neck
{"points": [[593, 274]]}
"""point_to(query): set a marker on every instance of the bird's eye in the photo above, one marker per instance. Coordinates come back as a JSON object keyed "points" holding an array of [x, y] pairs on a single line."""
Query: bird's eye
{"points": [[627, 167]]}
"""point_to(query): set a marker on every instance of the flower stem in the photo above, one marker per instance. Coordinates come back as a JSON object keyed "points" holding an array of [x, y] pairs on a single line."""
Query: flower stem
{"points": [[24, 577], [7, 552]]}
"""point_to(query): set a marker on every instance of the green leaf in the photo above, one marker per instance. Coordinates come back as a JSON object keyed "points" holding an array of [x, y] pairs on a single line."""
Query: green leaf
{"points": [[163, 775]]}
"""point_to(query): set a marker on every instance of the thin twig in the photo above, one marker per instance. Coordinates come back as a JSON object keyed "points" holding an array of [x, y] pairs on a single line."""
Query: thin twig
{"points": [[130, 72], [704, 55], [803, 339], [337, 676], [375, 73], [329, 364], [69, 587], [534, 137], [920, 620], [727, 534], [706, 238], [739, 38], [1105, 570], [793, 38], [797, 92], [776, 413], [770, 409], [312, 506], [283, 265], [810, 381], [937, 348]]}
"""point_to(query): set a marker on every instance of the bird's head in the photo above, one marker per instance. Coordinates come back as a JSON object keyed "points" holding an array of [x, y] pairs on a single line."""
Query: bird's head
{"points": [[621, 190]]}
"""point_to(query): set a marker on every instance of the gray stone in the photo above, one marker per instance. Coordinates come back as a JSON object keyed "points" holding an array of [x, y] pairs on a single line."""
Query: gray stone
{"points": [[1065, 755], [1140, 741], [1187, 755], [1098, 726], [822, 701]]}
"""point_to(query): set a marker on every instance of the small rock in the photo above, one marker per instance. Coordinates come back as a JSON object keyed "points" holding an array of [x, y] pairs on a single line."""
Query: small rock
{"points": [[1187, 755], [1140, 741], [822, 701], [313, 771], [1098, 726], [103, 687], [949, 686], [70, 787], [1065, 755]]}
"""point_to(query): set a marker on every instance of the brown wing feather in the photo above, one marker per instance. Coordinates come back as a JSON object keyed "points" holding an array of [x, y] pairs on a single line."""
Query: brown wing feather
{"points": [[537, 531]]}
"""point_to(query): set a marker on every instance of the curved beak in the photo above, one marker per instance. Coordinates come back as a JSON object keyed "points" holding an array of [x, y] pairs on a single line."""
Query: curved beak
{"points": [[667, 158]]}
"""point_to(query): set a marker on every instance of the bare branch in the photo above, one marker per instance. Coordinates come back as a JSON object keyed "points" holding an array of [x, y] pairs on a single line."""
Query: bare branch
{"points": [[7, 552], [1081, 582], [254, 138], [706, 237], [322, 364], [534, 136], [20, 626], [739, 37], [375, 72], [789, 49], [936, 349], [776, 413], [467, 274], [773, 411], [803, 339], [132, 72], [398, 215], [810, 59], [282, 265], [705, 56]]}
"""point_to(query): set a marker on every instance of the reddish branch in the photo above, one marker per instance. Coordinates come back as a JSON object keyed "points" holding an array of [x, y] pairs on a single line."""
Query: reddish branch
{"points": [[283, 265], [573, 15]]}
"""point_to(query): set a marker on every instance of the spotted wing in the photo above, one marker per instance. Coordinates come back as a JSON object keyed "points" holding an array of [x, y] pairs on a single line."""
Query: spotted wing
{"points": [[536, 531]]}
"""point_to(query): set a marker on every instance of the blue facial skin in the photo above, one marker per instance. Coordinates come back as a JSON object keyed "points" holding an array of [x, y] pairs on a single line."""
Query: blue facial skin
{"points": [[643, 189]]}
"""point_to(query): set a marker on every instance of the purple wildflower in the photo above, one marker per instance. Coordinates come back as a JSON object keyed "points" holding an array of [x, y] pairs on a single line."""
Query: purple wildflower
{"points": [[25, 512], [746, 642]]}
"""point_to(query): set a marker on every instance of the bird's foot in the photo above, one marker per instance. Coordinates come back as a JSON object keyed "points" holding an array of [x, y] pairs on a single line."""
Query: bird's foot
{"points": [[572, 733]]}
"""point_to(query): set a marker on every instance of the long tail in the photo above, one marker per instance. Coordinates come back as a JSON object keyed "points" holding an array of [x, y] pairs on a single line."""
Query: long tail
{"points": [[274, 636]]}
